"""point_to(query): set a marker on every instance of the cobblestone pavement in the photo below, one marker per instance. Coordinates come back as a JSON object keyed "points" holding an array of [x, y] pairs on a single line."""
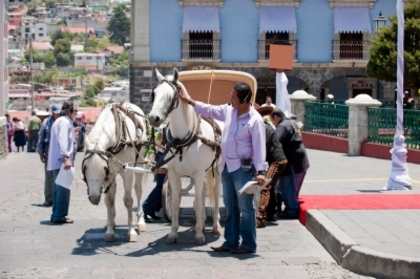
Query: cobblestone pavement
{"points": [[32, 247]]}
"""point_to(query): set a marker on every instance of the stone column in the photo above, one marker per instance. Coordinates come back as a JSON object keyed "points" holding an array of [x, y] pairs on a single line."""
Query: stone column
{"points": [[297, 100], [358, 121], [140, 45]]}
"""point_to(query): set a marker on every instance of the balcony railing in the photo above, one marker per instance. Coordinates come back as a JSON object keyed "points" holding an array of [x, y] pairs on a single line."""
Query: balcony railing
{"points": [[264, 48], [342, 50], [201, 49]]}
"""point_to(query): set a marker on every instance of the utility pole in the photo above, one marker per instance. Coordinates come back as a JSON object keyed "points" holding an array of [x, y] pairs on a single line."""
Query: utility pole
{"points": [[32, 72], [85, 34]]}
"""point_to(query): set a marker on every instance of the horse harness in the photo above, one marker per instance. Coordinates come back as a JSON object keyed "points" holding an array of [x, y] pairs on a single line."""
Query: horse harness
{"points": [[192, 136], [122, 132]]}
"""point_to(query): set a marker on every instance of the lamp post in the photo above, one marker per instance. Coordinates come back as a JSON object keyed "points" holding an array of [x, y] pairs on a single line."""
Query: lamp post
{"points": [[379, 21], [399, 179]]}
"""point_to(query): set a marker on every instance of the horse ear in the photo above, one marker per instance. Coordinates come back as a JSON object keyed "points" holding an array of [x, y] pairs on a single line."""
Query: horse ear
{"points": [[159, 75], [175, 74]]}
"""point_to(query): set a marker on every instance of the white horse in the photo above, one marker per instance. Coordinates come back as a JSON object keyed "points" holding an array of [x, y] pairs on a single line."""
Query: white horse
{"points": [[194, 157], [118, 137]]}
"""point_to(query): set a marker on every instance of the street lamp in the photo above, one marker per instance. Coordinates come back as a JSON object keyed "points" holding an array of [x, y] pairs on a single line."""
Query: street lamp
{"points": [[379, 21]]}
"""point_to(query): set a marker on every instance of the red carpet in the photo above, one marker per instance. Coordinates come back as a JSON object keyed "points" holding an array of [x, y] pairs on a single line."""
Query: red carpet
{"points": [[357, 202]]}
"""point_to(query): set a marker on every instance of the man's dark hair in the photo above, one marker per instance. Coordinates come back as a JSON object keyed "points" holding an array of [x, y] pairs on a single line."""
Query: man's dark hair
{"points": [[277, 112], [7, 115], [244, 91], [268, 96], [67, 107], [33, 113]]}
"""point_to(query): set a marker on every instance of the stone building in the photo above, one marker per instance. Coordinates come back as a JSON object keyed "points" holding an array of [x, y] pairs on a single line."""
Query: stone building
{"points": [[330, 38], [4, 79]]}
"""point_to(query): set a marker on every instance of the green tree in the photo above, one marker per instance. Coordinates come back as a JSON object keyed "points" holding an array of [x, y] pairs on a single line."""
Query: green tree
{"points": [[62, 46], [119, 26], [382, 62], [63, 59], [49, 59]]}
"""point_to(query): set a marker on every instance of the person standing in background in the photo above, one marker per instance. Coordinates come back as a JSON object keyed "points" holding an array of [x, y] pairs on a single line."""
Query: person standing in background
{"points": [[42, 148], [19, 133], [34, 125]]}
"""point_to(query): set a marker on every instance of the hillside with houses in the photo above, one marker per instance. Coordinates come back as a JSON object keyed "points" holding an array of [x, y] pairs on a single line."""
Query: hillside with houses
{"points": [[61, 50]]}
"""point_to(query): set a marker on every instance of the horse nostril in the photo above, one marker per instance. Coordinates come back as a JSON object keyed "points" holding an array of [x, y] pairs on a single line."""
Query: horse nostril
{"points": [[157, 119]]}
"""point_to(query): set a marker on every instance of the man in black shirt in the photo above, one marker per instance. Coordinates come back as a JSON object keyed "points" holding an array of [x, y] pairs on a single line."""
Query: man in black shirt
{"points": [[277, 163], [292, 178]]}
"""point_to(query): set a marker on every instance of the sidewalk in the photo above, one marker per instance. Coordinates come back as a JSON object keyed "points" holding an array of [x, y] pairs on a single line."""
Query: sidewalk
{"points": [[368, 239]]}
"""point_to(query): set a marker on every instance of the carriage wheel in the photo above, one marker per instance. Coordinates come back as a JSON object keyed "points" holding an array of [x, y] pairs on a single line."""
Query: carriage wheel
{"points": [[167, 201], [167, 195]]}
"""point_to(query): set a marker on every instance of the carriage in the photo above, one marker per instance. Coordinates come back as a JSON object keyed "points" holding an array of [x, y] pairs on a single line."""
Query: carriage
{"points": [[208, 86], [121, 134]]}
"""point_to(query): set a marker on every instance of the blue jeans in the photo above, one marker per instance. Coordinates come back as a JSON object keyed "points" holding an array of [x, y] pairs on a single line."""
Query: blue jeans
{"points": [[61, 200], [240, 211], [153, 203], [48, 185], [287, 193]]}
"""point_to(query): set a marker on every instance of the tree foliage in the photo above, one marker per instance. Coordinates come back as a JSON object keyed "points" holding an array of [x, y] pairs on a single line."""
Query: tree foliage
{"points": [[119, 26], [383, 51]]}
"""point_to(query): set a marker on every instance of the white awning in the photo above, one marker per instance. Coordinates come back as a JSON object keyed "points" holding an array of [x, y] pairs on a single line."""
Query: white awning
{"points": [[201, 19], [352, 20], [277, 19]]}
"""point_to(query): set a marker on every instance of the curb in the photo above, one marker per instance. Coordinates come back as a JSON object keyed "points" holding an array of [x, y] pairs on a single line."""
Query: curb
{"points": [[358, 258]]}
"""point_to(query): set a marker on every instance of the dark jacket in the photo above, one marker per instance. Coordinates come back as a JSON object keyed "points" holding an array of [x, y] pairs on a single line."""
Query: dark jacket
{"points": [[274, 149], [292, 145]]}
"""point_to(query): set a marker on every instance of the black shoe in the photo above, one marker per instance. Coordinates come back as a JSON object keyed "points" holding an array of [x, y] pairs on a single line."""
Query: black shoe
{"points": [[284, 215], [153, 216], [47, 204]]}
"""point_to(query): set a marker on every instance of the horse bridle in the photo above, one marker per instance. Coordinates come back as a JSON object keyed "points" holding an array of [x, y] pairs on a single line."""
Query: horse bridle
{"points": [[175, 100], [104, 156]]}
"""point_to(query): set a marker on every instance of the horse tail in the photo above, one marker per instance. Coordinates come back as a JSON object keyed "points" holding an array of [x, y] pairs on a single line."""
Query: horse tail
{"points": [[211, 184]]}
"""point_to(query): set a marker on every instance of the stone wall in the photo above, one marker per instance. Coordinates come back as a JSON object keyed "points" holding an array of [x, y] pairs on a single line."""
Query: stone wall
{"points": [[3, 138]]}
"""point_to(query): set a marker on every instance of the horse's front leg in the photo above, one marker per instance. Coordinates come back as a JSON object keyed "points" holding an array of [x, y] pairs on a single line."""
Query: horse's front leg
{"points": [[110, 209], [128, 202], [199, 208], [138, 187], [176, 186]]}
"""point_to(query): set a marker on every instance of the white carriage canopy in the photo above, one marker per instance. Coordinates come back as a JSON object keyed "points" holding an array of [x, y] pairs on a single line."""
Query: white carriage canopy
{"points": [[352, 20], [277, 19], [201, 19]]}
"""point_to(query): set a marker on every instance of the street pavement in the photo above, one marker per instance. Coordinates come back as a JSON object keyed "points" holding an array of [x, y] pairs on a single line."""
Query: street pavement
{"points": [[32, 247]]}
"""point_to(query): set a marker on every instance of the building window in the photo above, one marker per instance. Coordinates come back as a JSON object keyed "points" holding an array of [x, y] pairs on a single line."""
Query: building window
{"points": [[41, 34], [89, 58], [201, 45], [351, 46], [79, 58]]}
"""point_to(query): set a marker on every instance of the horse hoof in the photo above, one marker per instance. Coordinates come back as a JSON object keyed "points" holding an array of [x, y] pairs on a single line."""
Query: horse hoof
{"points": [[200, 240], [172, 239], [141, 228], [132, 237], [109, 237]]}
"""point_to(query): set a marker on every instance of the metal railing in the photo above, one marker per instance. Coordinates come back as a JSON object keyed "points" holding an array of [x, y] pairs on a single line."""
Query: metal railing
{"points": [[201, 49], [382, 124], [264, 48], [327, 119], [350, 50]]}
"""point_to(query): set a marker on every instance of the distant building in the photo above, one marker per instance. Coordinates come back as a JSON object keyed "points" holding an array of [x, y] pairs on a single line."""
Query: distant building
{"points": [[41, 46], [116, 94], [114, 50], [77, 48], [90, 61]]}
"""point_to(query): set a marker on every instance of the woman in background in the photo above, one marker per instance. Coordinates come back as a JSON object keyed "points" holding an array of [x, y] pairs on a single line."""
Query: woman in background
{"points": [[19, 133]]}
